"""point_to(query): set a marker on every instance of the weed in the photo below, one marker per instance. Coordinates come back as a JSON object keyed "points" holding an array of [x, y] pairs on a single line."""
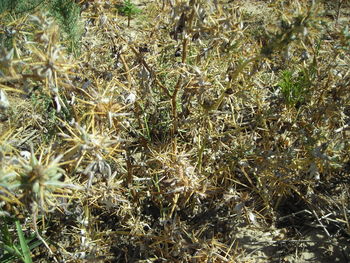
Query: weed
{"points": [[294, 88], [67, 13], [19, 7], [174, 140], [128, 9], [11, 247]]}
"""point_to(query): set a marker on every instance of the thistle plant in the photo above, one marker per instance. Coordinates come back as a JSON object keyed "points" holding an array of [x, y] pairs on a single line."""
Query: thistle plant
{"points": [[65, 13], [208, 122], [85, 143], [40, 178], [50, 61]]}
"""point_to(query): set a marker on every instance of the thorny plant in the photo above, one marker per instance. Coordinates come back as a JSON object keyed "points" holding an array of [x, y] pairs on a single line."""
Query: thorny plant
{"points": [[201, 120]]}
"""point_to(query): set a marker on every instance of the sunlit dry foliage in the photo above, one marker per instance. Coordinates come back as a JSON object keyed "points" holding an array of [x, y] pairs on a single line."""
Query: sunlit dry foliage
{"points": [[192, 131]]}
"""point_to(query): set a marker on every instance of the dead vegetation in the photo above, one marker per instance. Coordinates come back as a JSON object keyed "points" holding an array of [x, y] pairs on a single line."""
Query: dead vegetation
{"points": [[203, 131]]}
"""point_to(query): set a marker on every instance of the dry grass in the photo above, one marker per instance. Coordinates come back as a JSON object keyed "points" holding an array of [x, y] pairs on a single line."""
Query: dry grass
{"points": [[184, 137]]}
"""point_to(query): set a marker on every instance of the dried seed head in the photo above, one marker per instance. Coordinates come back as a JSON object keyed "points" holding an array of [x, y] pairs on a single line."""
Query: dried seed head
{"points": [[6, 57], [4, 103], [131, 98]]}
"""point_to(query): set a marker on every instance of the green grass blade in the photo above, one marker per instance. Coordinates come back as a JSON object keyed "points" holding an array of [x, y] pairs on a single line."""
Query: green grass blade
{"points": [[35, 244], [5, 233], [23, 242], [12, 252]]}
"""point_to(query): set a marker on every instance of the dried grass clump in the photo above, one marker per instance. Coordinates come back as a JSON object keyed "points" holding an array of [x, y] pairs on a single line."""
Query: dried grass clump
{"points": [[193, 131]]}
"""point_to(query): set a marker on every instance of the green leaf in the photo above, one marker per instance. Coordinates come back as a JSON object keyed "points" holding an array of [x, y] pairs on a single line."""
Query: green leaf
{"points": [[23, 243]]}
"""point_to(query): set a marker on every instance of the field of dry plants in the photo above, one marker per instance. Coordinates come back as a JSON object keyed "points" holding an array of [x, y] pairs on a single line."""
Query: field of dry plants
{"points": [[175, 131]]}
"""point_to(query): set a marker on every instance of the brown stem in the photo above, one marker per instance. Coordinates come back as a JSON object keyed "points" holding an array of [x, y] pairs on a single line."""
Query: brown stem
{"points": [[175, 115], [127, 70], [151, 71], [180, 79], [188, 31], [340, 2]]}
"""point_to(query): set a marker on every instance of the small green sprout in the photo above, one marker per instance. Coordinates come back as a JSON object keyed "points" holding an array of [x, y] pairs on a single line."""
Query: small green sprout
{"points": [[294, 88], [128, 9]]}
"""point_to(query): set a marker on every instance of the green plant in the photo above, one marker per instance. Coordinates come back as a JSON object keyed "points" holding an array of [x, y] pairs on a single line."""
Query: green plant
{"points": [[19, 7], [67, 13], [9, 243], [294, 88], [128, 9], [345, 38]]}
